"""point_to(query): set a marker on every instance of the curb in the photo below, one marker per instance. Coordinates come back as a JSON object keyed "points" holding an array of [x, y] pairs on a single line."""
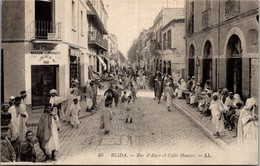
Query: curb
{"points": [[80, 117], [208, 132]]}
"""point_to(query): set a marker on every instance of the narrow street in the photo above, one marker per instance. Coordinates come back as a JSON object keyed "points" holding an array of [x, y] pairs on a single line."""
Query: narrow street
{"points": [[153, 128]]}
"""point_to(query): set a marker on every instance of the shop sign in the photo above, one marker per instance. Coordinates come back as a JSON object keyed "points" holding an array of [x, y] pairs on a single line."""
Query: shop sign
{"points": [[44, 54]]}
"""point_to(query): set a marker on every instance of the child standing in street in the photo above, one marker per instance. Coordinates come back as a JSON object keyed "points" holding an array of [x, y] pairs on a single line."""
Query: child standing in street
{"points": [[129, 105], [74, 109]]}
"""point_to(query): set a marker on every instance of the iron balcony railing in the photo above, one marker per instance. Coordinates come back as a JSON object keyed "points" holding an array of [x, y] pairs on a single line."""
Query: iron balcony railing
{"points": [[154, 46], [40, 29], [205, 18], [95, 38]]}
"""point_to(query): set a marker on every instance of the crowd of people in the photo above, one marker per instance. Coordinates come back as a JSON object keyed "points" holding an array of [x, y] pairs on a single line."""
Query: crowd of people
{"points": [[226, 109]]}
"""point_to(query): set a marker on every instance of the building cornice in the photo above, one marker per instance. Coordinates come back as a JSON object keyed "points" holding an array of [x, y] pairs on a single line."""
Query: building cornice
{"points": [[226, 23]]}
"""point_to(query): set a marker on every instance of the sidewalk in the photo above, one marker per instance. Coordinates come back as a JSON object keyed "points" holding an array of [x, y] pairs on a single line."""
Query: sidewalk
{"points": [[64, 128], [205, 123]]}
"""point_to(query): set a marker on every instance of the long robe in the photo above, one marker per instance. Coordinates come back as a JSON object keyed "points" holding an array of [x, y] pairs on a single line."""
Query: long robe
{"points": [[74, 109], [89, 96], [44, 129], [18, 122], [169, 93], [182, 88], [106, 117], [247, 131], [56, 100], [217, 116], [47, 133]]}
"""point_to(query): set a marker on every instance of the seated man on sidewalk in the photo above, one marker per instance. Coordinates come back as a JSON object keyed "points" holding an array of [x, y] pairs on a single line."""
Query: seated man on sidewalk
{"points": [[27, 152], [194, 97]]}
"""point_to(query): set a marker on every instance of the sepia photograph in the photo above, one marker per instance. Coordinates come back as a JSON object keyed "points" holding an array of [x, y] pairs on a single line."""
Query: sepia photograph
{"points": [[129, 82]]}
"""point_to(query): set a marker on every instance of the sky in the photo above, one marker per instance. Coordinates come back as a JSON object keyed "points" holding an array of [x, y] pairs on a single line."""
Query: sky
{"points": [[127, 18]]}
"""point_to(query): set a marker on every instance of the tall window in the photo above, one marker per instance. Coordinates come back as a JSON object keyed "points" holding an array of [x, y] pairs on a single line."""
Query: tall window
{"points": [[81, 23], [169, 39], [164, 41], [73, 15]]}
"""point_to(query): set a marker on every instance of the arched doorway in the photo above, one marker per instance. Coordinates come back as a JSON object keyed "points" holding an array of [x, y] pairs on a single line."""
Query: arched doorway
{"points": [[234, 65], [207, 62], [191, 61]]}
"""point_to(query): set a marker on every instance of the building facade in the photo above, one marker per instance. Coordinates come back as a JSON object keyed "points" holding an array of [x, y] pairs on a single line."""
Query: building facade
{"points": [[163, 18], [112, 51], [222, 44], [97, 31], [173, 45], [46, 44]]}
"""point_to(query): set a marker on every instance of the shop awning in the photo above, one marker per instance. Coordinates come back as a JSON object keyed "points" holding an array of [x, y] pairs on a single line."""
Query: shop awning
{"points": [[102, 62], [92, 75]]}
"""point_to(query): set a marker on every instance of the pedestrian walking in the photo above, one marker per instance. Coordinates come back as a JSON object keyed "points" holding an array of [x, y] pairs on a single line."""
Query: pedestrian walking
{"points": [[69, 102], [74, 111], [56, 101], [116, 95], [47, 133], [106, 117], [89, 96], [129, 106], [159, 90], [169, 96], [28, 153], [217, 114]]}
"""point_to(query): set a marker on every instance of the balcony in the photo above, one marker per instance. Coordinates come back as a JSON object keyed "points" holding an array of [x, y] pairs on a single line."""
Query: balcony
{"points": [[232, 8], [205, 18], [46, 31], [154, 46], [96, 40]]}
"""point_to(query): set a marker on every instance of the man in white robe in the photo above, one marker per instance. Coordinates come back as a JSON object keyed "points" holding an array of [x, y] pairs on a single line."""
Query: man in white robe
{"points": [[56, 102], [19, 118], [248, 125]]}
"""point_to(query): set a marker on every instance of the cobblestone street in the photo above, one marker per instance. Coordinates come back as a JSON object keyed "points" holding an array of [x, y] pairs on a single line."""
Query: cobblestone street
{"points": [[154, 130]]}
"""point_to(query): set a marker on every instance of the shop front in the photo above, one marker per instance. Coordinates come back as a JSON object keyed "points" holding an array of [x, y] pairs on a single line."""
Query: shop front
{"points": [[47, 67]]}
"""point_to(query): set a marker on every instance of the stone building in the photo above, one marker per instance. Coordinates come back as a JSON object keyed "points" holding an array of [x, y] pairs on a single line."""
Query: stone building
{"points": [[222, 44], [173, 45], [46, 44]]}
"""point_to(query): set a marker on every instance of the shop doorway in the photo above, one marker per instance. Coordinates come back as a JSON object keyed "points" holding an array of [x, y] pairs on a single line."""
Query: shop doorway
{"points": [[207, 63], [169, 68], [191, 61], [234, 65], [44, 78]]}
